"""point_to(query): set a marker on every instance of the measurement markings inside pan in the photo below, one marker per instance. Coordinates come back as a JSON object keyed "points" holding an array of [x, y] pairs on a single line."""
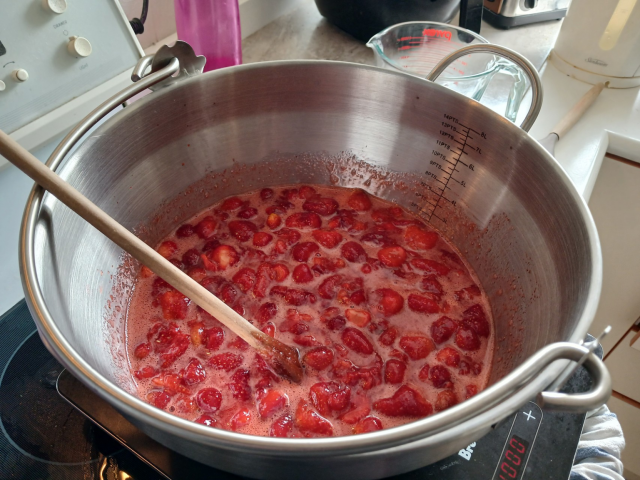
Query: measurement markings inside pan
{"points": [[456, 141]]}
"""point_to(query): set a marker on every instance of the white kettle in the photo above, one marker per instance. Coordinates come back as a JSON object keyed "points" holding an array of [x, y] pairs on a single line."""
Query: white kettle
{"points": [[600, 42]]}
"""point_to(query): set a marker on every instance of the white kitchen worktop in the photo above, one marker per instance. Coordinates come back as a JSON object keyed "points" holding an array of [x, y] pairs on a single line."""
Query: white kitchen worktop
{"points": [[612, 124]]}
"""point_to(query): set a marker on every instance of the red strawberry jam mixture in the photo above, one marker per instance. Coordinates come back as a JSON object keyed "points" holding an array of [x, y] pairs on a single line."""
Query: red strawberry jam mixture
{"points": [[389, 321]]}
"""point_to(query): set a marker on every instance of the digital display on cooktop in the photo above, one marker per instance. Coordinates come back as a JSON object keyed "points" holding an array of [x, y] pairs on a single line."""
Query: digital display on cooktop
{"points": [[514, 458]]}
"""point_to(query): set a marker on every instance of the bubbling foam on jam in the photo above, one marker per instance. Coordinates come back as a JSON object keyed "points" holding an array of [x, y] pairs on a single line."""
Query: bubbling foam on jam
{"points": [[390, 321]]}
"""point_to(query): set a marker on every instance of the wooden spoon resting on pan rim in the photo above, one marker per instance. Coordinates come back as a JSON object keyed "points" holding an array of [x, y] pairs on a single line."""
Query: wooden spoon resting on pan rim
{"points": [[283, 358]]}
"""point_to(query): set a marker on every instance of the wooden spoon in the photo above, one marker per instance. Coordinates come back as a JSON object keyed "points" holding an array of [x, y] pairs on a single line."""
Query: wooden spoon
{"points": [[283, 358]]}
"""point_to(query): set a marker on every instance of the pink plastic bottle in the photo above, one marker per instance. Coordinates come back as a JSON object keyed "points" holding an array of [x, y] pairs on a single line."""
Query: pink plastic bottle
{"points": [[212, 28]]}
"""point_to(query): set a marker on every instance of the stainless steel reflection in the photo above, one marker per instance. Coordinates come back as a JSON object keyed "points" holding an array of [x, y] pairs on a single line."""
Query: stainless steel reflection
{"points": [[519, 221]]}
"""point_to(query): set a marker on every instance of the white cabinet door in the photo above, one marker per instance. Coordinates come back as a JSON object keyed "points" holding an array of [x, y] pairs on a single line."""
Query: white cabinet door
{"points": [[615, 205]]}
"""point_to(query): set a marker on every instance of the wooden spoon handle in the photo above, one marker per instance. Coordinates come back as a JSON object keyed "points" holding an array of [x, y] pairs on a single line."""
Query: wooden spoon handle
{"points": [[77, 202], [576, 112]]}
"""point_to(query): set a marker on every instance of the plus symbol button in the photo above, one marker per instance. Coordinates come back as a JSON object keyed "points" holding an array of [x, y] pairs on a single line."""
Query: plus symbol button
{"points": [[529, 416]]}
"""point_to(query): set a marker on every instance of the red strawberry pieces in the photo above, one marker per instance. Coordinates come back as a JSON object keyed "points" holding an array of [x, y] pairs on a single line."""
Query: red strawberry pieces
{"points": [[358, 317], [238, 420], [167, 249], [206, 420], [158, 398], [420, 239], [431, 285], [309, 421], [185, 231], [281, 427], [416, 346], [174, 305], [356, 341], [296, 322], [273, 221], [440, 377], [142, 350], [302, 251], [449, 356], [389, 336], [306, 192], [392, 256], [262, 239], [305, 284], [266, 312], [327, 238], [239, 386], [422, 304], [145, 372], [328, 397], [245, 278], [206, 227], [475, 319], [170, 343], [266, 193], [226, 361], [329, 286], [293, 296], [442, 329], [321, 205], [302, 273], [406, 402], [243, 230], [394, 371], [430, 266], [209, 400], [318, 358], [353, 252], [390, 302], [468, 293], [446, 399], [191, 258], [367, 424], [194, 373], [359, 201], [223, 256], [467, 339], [231, 203], [303, 220], [212, 338], [350, 374], [271, 403]]}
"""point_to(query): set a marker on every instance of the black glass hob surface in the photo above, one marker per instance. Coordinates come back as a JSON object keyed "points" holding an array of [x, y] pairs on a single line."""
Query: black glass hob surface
{"points": [[52, 427]]}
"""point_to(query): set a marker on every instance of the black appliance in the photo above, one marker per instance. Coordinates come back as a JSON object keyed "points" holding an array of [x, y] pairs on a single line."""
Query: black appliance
{"points": [[364, 18]]}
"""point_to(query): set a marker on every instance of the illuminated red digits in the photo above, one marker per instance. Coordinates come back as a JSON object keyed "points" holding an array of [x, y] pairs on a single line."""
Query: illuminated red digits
{"points": [[513, 458], [517, 445], [509, 470]]}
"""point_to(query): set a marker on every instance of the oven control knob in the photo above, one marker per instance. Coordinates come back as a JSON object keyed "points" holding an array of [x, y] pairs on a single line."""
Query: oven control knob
{"points": [[79, 47], [54, 6], [2, 86], [20, 75]]}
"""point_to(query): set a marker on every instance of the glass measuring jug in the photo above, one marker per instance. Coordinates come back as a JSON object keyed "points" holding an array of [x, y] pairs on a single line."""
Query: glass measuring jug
{"points": [[417, 47]]}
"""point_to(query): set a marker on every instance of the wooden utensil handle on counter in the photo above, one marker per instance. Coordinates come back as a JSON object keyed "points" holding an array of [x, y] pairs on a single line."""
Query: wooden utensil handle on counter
{"points": [[570, 119]]}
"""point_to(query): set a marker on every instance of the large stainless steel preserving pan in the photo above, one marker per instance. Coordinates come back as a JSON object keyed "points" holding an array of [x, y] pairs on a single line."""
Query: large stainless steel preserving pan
{"points": [[513, 213]]}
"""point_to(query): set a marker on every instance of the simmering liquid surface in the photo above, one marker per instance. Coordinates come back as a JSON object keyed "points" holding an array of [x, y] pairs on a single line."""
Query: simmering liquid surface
{"points": [[390, 322]]}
